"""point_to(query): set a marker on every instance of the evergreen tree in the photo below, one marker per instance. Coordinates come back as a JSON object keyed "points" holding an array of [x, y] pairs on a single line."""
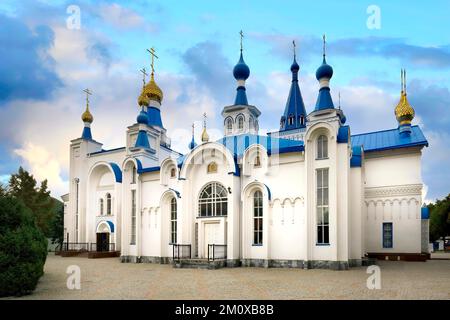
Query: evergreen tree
{"points": [[23, 186], [440, 218]]}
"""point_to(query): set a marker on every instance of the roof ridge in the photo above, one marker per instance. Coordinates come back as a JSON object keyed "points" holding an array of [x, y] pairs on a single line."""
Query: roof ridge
{"points": [[385, 130]]}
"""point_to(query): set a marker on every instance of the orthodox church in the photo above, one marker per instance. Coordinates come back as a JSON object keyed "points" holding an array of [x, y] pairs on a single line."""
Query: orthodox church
{"points": [[310, 195]]}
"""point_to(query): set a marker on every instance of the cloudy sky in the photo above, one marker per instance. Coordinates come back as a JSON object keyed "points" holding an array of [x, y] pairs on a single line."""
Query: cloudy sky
{"points": [[46, 62]]}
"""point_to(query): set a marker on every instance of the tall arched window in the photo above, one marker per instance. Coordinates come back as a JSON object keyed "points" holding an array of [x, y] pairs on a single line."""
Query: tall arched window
{"points": [[213, 200], [101, 206], [173, 220], [257, 218], [322, 147], [108, 203], [229, 125], [241, 123], [291, 120], [133, 174], [173, 172]]}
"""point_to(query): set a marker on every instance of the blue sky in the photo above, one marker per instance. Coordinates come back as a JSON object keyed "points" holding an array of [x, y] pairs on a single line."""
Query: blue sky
{"points": [[44, 67]]}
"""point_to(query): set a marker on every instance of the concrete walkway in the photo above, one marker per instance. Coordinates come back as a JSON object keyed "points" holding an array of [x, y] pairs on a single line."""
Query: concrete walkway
{"points": [[110, 279]]}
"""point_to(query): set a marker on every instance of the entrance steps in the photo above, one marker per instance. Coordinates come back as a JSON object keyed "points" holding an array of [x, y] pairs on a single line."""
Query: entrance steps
{"points": [[200, 263], [90, 254]]}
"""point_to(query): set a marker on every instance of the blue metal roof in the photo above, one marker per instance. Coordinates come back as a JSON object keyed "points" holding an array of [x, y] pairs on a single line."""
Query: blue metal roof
{"points": [[239, 143], [389, 139], [295, 106]]}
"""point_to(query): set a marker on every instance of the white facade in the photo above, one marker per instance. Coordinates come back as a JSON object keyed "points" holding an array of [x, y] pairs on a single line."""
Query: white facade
{"points": [[148, 200]]}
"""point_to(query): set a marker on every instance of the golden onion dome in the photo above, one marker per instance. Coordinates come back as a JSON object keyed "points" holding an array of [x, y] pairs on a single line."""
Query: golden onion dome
{"points": [[143, 100], [152, 90], [205, 136], [404, 112], [87, 116]]}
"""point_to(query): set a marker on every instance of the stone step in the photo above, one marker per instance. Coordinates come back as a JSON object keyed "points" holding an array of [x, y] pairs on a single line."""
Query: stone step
{"points": [[199, 264]]}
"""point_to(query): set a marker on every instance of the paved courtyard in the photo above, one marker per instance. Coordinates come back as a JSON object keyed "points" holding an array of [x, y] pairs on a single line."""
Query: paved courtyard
{"points": [[110, 279]]}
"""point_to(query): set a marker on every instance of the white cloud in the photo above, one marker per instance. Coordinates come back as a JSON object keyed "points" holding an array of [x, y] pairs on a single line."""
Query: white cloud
{"points": [[43, 166]]}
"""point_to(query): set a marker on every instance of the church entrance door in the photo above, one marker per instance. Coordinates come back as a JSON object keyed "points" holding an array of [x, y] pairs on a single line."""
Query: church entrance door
{"points": [[211, 236], [102, 241]]}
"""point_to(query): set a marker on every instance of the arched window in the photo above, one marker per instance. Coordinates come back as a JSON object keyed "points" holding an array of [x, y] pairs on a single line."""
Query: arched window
{"points": [[257, 218], [229, 125], [212, 167], [257, 163], [322, 147], [213, 200], [133, 174], [101, 206], [302, 120], [291, 120], [173, 220], [241, 123], [173, 172], [256, 126], [133, 217], [108, 203]]}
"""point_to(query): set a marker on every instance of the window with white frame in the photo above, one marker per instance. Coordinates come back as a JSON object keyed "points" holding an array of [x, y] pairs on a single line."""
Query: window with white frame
{"points": [[173, 220], [229, 125], [173, 173], [387, 235], [133, 217], [322, 147], [108, 204], [241, 123], [322, 207], [101, 206], [257, 218], [213, 200], [133, 174]]}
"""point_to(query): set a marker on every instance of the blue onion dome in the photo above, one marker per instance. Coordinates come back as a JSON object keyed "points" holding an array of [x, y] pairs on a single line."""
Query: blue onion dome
{"points": [[241, 71], [295, 67], [343, 119], [142, 117], [324, 71]]}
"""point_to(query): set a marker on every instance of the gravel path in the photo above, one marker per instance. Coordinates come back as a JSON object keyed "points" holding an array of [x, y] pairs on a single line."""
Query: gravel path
{"points": [[110, 279]]}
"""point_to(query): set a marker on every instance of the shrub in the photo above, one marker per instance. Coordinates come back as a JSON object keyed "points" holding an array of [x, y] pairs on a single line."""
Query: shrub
{"points": [[23, 248]]}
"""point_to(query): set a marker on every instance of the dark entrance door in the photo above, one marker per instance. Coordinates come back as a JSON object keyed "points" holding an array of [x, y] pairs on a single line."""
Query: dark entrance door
{"points": [[102, 241]]}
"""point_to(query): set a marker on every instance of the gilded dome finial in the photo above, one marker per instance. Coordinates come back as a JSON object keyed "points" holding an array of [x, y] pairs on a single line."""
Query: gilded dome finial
{"points": [[143, 100], [152, 90], [404, 112], [205, 136], [87, 116]]}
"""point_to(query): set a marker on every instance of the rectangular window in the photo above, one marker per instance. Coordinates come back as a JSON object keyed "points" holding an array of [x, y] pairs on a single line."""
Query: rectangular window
{"points": [[387, 235], [133, 217], [173, 221], [322, 207]]}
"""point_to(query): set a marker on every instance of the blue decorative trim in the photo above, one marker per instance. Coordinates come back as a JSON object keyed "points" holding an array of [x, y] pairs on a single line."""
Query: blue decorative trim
{"points": [[106, 151], [117, 172], [110, 224], [356, 159], [150, 169], [343, 134], [269, 193], [86, 133], [142, 140], [176, 192], [425, 213]]}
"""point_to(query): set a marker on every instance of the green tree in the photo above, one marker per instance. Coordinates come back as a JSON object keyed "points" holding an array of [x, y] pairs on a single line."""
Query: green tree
{"points": [[440, 218], [23, 248], [57, 223], [23, 186]]}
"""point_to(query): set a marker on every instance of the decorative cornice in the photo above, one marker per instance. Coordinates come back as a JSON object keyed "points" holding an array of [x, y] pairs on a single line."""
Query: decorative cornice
{"points": [[393, 191]]}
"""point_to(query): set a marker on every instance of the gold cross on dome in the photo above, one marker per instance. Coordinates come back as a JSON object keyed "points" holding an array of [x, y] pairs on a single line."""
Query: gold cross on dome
{"points": [[152, 53], [242, 36], [144, 74], [88, 93]]}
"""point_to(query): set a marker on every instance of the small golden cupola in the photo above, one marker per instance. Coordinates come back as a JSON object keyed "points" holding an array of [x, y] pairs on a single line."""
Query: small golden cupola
{"points": [[403, 111], [87, 118], [205, 136], [143, 100]]}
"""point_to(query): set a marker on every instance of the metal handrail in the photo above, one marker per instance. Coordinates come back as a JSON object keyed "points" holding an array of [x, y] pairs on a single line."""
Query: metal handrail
{"points": [[184, 249], [109, 246], [217, 251], [75, 246]]}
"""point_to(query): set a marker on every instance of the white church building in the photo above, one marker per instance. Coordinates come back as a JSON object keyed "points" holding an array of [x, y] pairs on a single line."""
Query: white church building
{"points": [[311, 195]]}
